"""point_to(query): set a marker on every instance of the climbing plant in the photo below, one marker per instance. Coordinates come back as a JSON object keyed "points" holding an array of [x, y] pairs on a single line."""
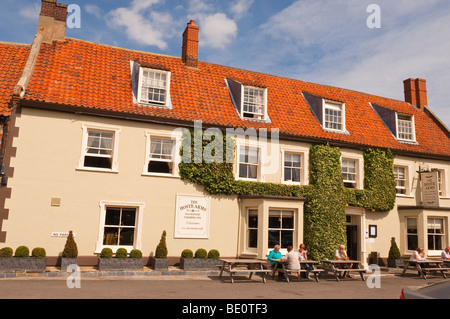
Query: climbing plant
{"points": [[326, 196]]}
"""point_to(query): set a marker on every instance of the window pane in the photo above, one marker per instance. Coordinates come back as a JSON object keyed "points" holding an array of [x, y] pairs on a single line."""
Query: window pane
{"points": [[274, 219], [252, 171], [274, 238], [286, 238], [126, 236], [252, 238], [128, 216], [288, 220], [159, 167], [112, 216], [110, 236], [98, 162], [253, 218], [287, 174]]}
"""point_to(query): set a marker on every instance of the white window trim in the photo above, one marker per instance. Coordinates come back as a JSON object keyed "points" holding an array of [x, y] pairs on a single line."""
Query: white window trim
{"points": [[333, 104], [98, 127], [304, 158], [242, 142], [409, 178], [265, 114], [138, 233], [413, 126], [139, 89], [434, 253], [359, 167], [408, 251], [176, 137], [283, 250], [250, 249]]}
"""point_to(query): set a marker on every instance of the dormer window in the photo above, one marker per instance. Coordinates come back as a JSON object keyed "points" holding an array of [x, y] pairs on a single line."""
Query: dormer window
{"points": [[330, 114], [153, 86], [405, 127], [250, 101]]}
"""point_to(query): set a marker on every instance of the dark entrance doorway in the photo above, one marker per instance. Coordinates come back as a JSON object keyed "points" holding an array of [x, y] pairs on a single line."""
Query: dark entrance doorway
{"points": [[352, 242]]}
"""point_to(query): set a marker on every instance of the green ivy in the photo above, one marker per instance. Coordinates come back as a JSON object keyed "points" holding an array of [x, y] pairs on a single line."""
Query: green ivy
{"points": [[326, 196]]}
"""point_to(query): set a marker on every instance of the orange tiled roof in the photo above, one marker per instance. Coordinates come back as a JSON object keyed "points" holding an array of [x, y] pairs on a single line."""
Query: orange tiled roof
{"points": [[12, 61], [94, 76]]}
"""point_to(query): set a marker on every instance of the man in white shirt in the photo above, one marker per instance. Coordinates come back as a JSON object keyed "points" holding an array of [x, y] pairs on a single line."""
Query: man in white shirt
{"points": [[446, 253]]}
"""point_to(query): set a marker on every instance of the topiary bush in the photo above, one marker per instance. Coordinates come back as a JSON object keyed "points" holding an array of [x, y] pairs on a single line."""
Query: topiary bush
{"points": [[161, 249], [135, 253], [213, 253], [201, 253], [106, 253], [22, 251], [38, 252], [70, 248], [187, 253], [394, 252], [121, 253], [6, 252]]}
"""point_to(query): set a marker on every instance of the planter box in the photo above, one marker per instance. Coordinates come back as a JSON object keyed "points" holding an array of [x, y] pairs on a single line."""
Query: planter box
{"points": [[65, 262], [199, 263], [395, 263], [158, 263], [23, 263], [120, 263]]}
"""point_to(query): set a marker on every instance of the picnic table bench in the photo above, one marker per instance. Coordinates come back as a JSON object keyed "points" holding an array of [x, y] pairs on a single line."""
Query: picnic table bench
{"points": [[314, 271], [336, 264], [423, 266], [252, 266]]}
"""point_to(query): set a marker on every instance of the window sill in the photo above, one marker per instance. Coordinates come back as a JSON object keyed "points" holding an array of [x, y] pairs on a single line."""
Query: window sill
{"points": [[93, 169], [404, 196], [160, 175]]}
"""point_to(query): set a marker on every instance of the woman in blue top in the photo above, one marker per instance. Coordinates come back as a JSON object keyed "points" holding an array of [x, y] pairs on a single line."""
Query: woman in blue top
{"points": [[274, 254]]}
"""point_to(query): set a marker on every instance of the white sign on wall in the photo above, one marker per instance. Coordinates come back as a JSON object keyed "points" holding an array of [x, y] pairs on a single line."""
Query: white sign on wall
{"points": [[192, 216], [430, 189]]}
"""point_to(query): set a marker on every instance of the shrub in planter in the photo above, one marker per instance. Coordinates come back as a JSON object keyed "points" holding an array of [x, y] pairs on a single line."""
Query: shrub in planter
{"points": [[214, 254], [187, 253], [160, 260], [201, 253], [135, 253], [120, 262], [394, 257], [38, 252], [22, 260], [106, 253], [22, 251], [6, 252], [70, 252], [121, 253]]}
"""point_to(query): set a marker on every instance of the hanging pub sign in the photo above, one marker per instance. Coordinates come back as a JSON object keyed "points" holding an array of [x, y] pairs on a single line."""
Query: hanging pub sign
{"points": [[192, 216], [430, 189]]}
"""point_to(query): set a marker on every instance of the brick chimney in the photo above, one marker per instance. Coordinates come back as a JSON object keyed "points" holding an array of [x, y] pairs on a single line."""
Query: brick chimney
{"points": [[416, 92], [189, 53], [52, 21]]}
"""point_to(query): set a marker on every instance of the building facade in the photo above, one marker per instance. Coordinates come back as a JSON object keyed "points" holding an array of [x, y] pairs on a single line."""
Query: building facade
{"points": [[92, 137]]}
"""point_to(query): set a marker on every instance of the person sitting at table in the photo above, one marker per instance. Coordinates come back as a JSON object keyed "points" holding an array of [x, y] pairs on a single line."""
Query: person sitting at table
{"points": [[292, 260], [418, 255], [302, 252], [341, 254], [275, 255], [446, 253]]}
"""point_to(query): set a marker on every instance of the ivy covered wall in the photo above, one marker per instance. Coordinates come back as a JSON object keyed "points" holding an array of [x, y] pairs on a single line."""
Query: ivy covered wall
{"points": [[326, 196]]}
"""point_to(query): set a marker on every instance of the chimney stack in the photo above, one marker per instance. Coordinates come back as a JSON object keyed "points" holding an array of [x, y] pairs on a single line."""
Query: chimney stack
{"points": [[416, 92], [189, 53], [52, 21]]}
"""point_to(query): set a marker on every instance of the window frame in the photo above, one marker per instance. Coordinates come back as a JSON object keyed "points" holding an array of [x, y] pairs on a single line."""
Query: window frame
{"points": [[359, 169], [259, 166], [84, 146], [411, 234], [335, 106], [137, 241], [442, 180], [401, 117], [176, 158], [248, 248], [140, 86], [443, 235], [263, 115], [304, 164], [280, 229]]}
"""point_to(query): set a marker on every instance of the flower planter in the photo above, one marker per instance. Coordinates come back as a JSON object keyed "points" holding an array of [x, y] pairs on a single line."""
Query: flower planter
{"points": [[199, 263], [23, 263], [65, 262], [120, 263], [395, 263], [158, 263]]}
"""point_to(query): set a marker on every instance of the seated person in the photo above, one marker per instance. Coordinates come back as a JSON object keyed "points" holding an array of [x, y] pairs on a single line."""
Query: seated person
{"points": [[273, 256], [341, 254], [446, 253], [292, 260]]}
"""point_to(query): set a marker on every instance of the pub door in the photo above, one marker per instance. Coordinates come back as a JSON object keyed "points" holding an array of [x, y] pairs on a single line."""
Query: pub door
{"points": [[352, 242]]}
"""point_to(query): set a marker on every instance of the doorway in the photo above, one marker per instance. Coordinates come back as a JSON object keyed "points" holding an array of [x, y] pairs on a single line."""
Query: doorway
{"points": [[352, 242]]}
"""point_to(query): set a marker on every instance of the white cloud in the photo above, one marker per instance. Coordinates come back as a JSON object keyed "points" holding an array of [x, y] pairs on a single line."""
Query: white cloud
{"points": [[148, 29], [31, 12], [94, 10], [239, 8], [217, 31]]}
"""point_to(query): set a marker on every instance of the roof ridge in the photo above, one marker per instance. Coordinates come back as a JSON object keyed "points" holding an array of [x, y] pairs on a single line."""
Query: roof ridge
{"points": [[15, 44]]}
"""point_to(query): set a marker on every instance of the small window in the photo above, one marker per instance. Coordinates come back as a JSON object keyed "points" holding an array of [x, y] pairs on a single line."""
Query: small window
{"points": [[405, 128], [349, 169], [292, 167], [400, 179], [436, 234], [252, 228], [254, 103], [281, 228], [248, 163], [153, 86], [333, 117], [99, 148], [161, 156], [411, 234]]}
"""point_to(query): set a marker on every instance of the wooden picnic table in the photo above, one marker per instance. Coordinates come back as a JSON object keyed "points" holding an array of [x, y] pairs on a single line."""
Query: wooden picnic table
{"points": [[339, 267], [428, 265], [252, 266], [303, 263]]}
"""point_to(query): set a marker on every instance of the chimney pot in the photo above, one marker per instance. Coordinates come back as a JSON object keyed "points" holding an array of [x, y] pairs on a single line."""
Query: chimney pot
{"points": [[52, 21], [189, 54]]}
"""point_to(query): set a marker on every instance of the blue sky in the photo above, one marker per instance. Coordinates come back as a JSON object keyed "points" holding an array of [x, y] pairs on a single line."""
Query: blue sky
{"points": [[321, 41]]}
